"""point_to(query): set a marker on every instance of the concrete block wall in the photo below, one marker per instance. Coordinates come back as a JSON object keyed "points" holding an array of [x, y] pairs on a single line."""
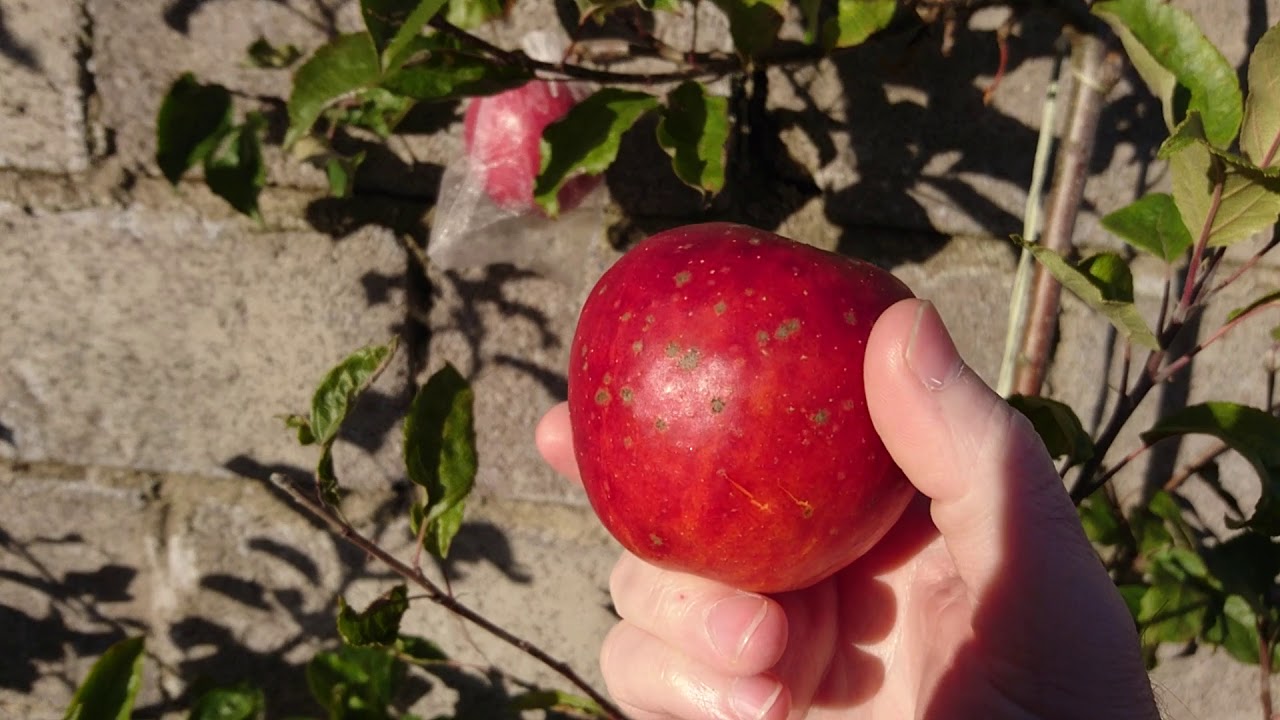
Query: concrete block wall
{"points": [[152, 338]]}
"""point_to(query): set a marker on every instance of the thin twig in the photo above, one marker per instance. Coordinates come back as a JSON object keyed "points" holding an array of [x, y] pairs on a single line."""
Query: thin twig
{"points": [[1253, 260], [1133, 455], [1206, 231], [1096, 70], [1195, 466], [440, 597], [1264, 666], [1172, 368], [1021, 294]]}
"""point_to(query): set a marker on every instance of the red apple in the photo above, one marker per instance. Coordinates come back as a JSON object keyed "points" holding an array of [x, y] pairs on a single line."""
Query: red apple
{"points": [[503, 135], [718, 412]]}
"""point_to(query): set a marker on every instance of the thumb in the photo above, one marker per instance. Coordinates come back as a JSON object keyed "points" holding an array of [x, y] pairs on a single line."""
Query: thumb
{"points": [[997, 500]]}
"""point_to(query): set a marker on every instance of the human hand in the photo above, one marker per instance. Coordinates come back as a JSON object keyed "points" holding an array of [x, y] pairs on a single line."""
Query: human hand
{"points": [[984, 601]]}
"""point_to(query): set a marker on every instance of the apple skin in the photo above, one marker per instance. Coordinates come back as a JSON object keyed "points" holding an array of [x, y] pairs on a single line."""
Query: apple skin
{"points": [[718, 411], [503, 135]]}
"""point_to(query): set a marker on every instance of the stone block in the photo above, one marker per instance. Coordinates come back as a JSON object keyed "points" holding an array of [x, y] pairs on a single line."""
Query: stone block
{"points": [[1208, 684], [75, 579], [42, 103], [509, 331], [173, 342], [896, 134], [231, 583]]}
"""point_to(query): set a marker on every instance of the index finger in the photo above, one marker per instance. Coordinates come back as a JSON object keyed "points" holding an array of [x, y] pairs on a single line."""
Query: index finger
{"points": [[554, 439]]}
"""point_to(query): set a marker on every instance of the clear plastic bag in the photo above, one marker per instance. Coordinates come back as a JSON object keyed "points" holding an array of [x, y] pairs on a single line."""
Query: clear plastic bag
{"points": [[485, 213]]}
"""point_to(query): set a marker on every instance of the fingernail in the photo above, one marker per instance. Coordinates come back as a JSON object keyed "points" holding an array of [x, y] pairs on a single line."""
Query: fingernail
{"points": [[733, 620], [931, 354], [751, 698]]}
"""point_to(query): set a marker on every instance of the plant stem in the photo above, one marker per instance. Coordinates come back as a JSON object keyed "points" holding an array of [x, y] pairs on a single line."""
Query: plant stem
{"points": [[1096, 71], [1253, 259], [1021, 293], [440, 597], [703, 66], [1264, 666], [1193, 268], [1172, 368]]}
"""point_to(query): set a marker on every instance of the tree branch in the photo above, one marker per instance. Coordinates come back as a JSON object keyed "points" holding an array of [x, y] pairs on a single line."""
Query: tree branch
{"points": [[1096, 70], [439, 596]]}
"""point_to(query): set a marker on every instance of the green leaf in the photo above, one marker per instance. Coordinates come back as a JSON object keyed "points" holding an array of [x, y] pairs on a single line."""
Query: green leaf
{"points": [[1101, 521], [235, 171], [378, 624], [1163, 506], [585, 141], [419, 650], [1252, 433], [470, 14], [243, 702], [1057, 425], [1132, 595], [811, 12], [393, 24], [265, 55], [1249, 201], [1260, 131], [437, 67], [1110, 274], [303, 426], [341, 172], [1247, 565], [347, 64], [356, 683], [1153, 225], [192, 120], [334, 395], [754, 24], [1169, 37], [1122, 314], [1234, 627], [439, 535], [108, 691], [1268, 299], [1150, 532], [375, 109], [440, 450], [326, 478], [694, 130], [1172, 612], [857, 20], [556, 700]]}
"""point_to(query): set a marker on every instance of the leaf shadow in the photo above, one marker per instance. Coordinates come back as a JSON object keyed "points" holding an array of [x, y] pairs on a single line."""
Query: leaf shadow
{"points": [[483, 542], [179, 13], [75, 622], [15, 49]]}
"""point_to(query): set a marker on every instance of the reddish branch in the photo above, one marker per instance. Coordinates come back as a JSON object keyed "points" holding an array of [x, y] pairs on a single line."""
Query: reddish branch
{"points": [[1096, 70], [438, 596]]}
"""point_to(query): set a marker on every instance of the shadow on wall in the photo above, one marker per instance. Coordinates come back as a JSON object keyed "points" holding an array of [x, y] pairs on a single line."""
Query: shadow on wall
{"points": [[919, 133], [218, 638], [73, 622], [322, 14], [15, 49]]}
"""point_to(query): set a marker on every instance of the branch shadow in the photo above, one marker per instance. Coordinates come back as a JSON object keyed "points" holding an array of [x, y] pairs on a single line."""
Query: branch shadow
{"points": [[15, 49], [178, 13], [74, 625]]}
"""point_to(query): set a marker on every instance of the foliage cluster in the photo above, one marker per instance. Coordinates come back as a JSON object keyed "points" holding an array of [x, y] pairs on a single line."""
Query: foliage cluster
{"points": [[1185, 582]]}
